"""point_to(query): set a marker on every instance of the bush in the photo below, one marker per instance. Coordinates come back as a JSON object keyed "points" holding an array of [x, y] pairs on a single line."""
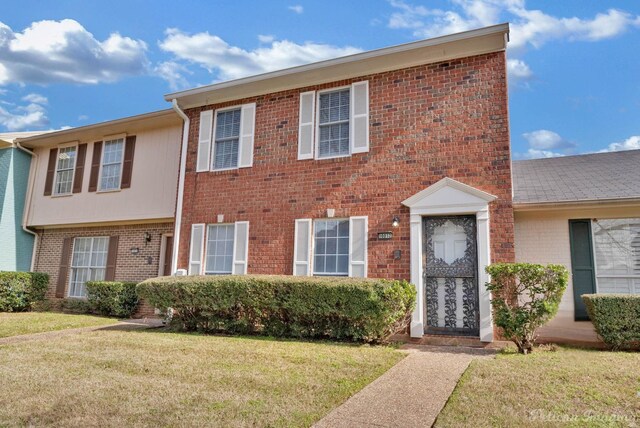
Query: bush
{"points": [[286, 306], [525, 296], [616, 318], [111, 298], [20, 290], [75, 306]]}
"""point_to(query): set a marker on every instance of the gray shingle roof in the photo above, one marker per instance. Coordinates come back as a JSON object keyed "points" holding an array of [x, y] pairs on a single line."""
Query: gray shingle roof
{"points": [[592, 177]]}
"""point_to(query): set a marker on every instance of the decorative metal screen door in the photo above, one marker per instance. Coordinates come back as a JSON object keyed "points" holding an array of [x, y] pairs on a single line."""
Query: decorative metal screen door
{"points": [[450, 275]]}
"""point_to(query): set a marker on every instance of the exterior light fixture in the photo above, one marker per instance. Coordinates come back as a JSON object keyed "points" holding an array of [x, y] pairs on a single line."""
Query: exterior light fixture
{"points": [[135, 251], [396, 221], [147, 237]]}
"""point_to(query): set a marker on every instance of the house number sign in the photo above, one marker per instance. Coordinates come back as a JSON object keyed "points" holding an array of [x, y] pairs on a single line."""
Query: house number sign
{"points": [[385, 236]]}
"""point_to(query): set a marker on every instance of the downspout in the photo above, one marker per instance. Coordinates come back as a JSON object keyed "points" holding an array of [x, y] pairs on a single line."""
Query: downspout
{"points": [[25, 215], [183, 164]]}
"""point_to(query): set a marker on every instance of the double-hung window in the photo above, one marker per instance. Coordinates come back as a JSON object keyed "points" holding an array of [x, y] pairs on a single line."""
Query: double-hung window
{"points": [[88, 263], [227, 139], [617, 255], [219, 251], [333, 123], [331, 247], [112, 157], [65, 167]]}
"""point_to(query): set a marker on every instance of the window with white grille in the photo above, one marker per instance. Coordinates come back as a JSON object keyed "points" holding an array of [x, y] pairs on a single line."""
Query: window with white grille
{"points": [[112, 164], [333, 123], [88, 263], [331, 247], [219, 251], [617, 255], [227, 139], [65, 166]]}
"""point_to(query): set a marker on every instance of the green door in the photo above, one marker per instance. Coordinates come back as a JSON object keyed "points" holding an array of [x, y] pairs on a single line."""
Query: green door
{"points": [[582, 266]]}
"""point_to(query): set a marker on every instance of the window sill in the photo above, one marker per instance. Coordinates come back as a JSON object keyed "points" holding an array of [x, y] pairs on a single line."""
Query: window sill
{"points": [[333, 157], [109, 191], [62, 195]]}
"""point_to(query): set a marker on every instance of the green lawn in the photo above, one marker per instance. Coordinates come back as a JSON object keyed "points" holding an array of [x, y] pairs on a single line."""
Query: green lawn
{"points": [[16, 323], [152, 378], [567, 387]]}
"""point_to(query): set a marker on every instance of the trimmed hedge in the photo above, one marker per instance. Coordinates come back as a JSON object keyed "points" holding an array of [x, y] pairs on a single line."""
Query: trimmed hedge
{"points": [[616, 318], [20, 290], [357, 309], [112, 298]]}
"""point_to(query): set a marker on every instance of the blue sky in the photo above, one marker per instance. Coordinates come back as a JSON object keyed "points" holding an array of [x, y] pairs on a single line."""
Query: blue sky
{"points": [[574, 65]]}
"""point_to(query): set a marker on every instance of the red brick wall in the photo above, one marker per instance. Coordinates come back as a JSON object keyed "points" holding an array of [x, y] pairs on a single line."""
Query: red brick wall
{"points": [[128, 266], [428, 122]]}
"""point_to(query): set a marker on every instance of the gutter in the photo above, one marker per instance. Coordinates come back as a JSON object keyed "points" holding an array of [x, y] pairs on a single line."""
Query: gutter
{"points": [[183, 165], [585, 203], [27, 205]]}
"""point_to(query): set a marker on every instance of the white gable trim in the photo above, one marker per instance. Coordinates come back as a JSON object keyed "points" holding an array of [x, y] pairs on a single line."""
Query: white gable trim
{"points": [[450, 197]]}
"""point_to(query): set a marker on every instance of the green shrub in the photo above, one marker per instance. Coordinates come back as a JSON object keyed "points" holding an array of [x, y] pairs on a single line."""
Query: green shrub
{"points": [[20, 290], [286, 306], [524, 297], [616, 318], [112, 298]]}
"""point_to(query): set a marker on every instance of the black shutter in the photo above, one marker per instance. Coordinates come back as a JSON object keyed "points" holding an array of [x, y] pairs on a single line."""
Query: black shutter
{"points": [[582, 265]]}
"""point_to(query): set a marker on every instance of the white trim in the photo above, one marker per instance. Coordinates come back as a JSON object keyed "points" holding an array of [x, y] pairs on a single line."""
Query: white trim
{"points": [[365, 262], [205, 250], [455, 199], [122, 137], [209, 116], [245, 260], [90, 267], [309, 262], [202, 244], [316, 140], [242, 136], [301, 124], [353, 116], [313, 247]]}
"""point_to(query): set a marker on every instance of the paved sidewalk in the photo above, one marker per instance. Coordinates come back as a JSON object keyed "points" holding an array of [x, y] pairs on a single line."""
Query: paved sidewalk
{"points": [[410, 394], [131, 324]]}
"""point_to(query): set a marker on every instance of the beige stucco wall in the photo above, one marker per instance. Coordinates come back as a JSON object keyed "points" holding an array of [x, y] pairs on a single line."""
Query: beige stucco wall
{"points": [[152, 194], [543, 237]]}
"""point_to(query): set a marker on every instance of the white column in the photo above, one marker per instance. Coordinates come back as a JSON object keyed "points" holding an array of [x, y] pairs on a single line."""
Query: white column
{"points": [[484, 259], [417, 319]]}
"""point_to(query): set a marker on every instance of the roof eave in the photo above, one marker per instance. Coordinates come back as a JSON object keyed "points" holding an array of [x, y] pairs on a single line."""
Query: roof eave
{"points": [[558, 205], [195, 97]]}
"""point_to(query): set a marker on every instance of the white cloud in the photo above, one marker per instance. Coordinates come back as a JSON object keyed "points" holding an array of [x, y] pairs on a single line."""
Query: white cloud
{"points": [[631, 143], [64, 51], [83, 117], [173, 73], [266, 38], [29, 116], [528, 26], [537, 154], [544, 139], [518, 70], [231, 62], [297, 9], [36, 98]]}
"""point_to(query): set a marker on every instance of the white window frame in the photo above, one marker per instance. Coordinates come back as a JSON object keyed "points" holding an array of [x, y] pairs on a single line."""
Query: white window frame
{"points": [[206, 248], [312, 268], [212, 153], [596, 274], [73, 174], [316, 139], [90, 267], [110, 138]]}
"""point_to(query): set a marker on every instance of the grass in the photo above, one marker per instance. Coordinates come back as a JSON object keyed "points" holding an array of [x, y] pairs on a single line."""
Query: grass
{"points": [[17, 323], [152, 378], [566, 387]]}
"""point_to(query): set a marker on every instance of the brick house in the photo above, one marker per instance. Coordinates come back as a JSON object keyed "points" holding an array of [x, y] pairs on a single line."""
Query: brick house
{"points": [[102, 201], [391, 163]]}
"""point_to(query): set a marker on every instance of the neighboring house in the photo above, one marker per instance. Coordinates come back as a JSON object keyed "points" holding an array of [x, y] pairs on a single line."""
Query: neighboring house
{"points": [[582, 212], [392, 163], [16, 244], [103, 200]]}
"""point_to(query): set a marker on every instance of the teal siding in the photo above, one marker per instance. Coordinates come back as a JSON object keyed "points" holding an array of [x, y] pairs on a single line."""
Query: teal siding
{"points": [[16, 245]]}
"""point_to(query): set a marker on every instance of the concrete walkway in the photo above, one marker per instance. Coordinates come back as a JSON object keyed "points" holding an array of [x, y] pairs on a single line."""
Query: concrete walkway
{"points": [[132, 324], [410, 394]]}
